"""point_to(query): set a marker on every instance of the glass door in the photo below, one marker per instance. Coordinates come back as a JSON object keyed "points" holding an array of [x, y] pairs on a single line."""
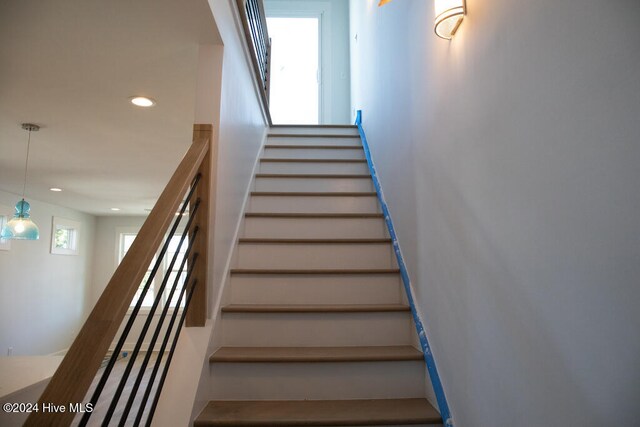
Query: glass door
{"points": [[295, 72]]}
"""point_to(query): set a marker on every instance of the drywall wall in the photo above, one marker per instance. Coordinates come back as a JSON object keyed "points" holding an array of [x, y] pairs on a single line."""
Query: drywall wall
{"points": [[105, 261], [334, 59], [240, 136], [509, 159], [43, 297], [241, 133], [108, 229], [105, 253]]}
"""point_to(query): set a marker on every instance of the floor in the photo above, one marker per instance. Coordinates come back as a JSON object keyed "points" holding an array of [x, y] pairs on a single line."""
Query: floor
{"points": [[20, 372], [109, 390]]}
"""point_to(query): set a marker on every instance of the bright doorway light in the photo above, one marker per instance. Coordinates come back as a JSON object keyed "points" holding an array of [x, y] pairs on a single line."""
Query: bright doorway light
{"points": [[295, 49]]}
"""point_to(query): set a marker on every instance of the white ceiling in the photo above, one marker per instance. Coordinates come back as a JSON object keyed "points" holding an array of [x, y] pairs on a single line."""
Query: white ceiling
{"points": [[70, 67]]}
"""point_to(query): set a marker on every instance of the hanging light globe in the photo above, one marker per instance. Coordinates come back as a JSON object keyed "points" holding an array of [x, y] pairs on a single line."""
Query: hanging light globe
{"points": [[21, 227]]}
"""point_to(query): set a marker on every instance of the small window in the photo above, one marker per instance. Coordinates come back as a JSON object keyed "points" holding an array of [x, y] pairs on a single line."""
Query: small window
{"points": [[126, 240], [5, 245], [64, 236]]}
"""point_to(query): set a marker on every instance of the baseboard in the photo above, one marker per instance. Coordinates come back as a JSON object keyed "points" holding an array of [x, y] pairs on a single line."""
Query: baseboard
{"points": [[429, 359]]}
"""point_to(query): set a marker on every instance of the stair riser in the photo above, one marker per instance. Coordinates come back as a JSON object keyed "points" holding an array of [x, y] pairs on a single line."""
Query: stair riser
{"points": [[311, 153], [313, 184], [291, 256], [240, 327], [315, 290], [311, 168], [346, 380], [308, 228], [313, 204], [314, 131], [316, 329], [278, 140]]}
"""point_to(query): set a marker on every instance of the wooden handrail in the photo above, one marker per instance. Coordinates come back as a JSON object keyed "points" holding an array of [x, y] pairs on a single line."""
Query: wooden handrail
{"points": [[254, 23], [75, 374]]}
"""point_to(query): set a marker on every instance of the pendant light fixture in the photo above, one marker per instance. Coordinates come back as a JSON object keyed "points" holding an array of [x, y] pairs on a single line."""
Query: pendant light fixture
{"points": [[21, 227]]}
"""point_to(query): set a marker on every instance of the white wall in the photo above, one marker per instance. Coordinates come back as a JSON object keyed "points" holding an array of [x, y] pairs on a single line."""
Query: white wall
{"points": [[43, 297], [108, 229], [105, 254], [105, 261], [233, 107], [509, 159], [241, 133], [335, 51], [242, 128]]}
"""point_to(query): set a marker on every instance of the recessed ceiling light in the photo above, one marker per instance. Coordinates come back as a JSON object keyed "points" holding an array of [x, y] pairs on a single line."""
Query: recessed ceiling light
{"points": [[115, 209], [142, 101], [55, 189]]}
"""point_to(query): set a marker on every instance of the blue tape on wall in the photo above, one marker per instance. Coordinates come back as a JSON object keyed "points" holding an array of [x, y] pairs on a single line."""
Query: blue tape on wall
{"points": [[424, 342]]}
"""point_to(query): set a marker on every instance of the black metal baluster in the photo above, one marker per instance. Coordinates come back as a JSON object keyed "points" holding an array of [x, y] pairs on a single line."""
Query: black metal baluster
{"points": [[257, 36], [258, 29], [123, 336], [145, 328], [170, 356], [261, 30], [163, 347], [252, 29], [156, 332]]}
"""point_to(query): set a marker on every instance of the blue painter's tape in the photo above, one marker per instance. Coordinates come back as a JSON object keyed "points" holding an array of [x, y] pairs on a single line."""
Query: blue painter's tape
{"points": [[424, 342]]}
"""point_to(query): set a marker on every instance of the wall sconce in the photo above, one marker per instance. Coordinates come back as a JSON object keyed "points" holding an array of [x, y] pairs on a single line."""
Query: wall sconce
{"points": [[449, 14]]}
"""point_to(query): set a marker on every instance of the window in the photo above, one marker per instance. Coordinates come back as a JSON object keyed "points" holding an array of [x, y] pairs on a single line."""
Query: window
{"points": [[126, 240], [5, 245], [64, 236]]}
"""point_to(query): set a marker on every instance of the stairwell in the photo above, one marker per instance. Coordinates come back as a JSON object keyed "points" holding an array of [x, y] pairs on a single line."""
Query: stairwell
{"points": [[317, 331]]}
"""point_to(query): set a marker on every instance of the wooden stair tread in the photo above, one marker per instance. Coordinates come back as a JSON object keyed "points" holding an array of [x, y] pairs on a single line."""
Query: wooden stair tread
{"points": [[313, 176], [318, 413], [315, 193], [293, 125], [314, 135], [316, 146], [311, 215], [315, 354], [370, 241], [281, 160], [319, 271], [314, 308]]}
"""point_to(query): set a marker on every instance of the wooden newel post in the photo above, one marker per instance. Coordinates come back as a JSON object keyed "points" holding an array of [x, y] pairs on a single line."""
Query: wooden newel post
{"points": [[197, 312]]}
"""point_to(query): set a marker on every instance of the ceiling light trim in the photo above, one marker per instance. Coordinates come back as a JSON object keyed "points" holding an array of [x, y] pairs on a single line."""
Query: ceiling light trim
{"points": [[142, 101]]}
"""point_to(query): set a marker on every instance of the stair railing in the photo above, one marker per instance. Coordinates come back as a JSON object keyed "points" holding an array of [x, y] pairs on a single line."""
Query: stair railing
{"points": [[73, 379], [254, 22]]}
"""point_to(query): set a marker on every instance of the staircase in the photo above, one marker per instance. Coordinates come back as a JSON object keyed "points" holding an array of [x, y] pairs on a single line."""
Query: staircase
{"points": [[316, 331]]}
